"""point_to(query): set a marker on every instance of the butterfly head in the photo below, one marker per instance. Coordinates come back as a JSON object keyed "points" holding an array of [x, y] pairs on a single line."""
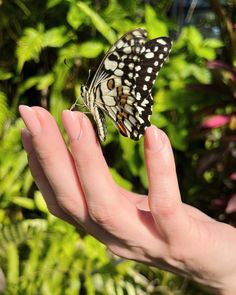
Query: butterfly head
{"points": [[84, 93]]}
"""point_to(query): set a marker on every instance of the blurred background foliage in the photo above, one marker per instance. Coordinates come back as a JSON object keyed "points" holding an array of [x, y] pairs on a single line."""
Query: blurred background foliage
{"points": [[47, 48]]}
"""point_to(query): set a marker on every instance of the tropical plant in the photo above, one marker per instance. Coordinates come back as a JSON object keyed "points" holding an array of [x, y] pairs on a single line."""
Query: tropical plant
{"points": [[47, 49]]}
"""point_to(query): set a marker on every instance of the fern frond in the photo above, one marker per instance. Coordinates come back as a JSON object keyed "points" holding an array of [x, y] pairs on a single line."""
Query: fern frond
{"points": [[29, 46], [4, 112], [19, 233]]}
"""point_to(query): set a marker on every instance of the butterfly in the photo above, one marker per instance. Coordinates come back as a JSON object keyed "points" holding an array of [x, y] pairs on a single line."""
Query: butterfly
{"points": [[121, 87]]}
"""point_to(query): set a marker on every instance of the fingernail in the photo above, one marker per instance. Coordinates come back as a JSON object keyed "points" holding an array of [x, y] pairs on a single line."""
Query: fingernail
{"points": [[26, 140], [72, 124], [154, 139], [30, 118]]}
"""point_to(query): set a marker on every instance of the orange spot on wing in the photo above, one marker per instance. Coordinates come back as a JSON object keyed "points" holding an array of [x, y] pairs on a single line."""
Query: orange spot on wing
{"points": [[122, 129], [123, 100], [119, 90], [110, 84]]}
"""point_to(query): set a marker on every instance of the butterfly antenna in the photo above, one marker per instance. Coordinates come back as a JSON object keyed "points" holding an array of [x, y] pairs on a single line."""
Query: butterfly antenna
{"points": [[88, 77], [76, 102], [82, 105], [74, 105]]}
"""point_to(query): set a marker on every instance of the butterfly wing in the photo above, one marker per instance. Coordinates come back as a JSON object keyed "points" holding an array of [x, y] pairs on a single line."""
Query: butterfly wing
{"points": [[123, 82], [125, 49], [117, 101]]}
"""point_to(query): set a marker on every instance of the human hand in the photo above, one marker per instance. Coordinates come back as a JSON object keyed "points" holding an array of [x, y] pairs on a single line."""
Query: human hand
{"points": [[158, 230]]}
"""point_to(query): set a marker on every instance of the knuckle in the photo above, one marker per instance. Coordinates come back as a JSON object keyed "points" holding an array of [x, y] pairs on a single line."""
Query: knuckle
{"points": [[72, 206], [49, 156], [45, 157], [100, 214], [84, 159], [164, 206], [131, 251]]}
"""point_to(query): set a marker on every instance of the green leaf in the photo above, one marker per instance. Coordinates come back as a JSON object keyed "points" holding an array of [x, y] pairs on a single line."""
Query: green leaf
{"points": [[194, 36], [124, 25], [120, 180], [11, 181], [159, 119], [89, 285], [33, 41], [28, 83], [203, 75], [206, 52], [12, 264], [75, 17], [40, 82], [24, 202], [176, 100], [190, 37], [45, 81], [40, 202], [23, 7], [90, 49], [130, 288], [98, 22], [4, 112], [57, 100], [213, 43], [5, 75], [29, 45], [28, 181], [130, 154], [53, 3], [178, 136], [155, 27], [70, 51], [110, 287], [55, 37]]}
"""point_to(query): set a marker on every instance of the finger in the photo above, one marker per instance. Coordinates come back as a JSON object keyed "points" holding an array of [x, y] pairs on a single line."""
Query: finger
{"points": [[55, 160], [51, 200], [59, 170], [106, 205], [164, 196], [41, 180]]}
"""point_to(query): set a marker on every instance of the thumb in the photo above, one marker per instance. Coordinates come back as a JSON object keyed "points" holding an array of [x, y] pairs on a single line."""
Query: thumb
{"points": [[164, 197]]}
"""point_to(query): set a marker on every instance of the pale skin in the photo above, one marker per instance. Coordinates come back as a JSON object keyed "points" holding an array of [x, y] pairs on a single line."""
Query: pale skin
{"points": [[158, 230]]}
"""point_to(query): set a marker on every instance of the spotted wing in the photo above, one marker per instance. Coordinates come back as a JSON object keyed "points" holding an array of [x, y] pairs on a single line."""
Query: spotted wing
{"points": [[123, 83], [126, 49]]}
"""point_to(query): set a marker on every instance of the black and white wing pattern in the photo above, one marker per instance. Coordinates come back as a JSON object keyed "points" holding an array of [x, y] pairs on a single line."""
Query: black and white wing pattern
{"points": [[121, 87]]}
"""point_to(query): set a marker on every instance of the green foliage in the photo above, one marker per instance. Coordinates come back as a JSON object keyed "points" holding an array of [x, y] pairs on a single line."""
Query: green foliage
{"points": [[47, 51], [98, 22], [56, 260], [4, 113], [156, 27]]}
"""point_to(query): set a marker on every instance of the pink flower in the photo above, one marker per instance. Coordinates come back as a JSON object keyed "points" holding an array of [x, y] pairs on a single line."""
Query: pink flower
{"points": [[233, 176], [220, 202], [231, 206], [215, 121]]}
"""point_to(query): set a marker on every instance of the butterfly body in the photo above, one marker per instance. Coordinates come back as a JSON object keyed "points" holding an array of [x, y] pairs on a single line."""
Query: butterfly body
{"points": [[121, 87]]}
